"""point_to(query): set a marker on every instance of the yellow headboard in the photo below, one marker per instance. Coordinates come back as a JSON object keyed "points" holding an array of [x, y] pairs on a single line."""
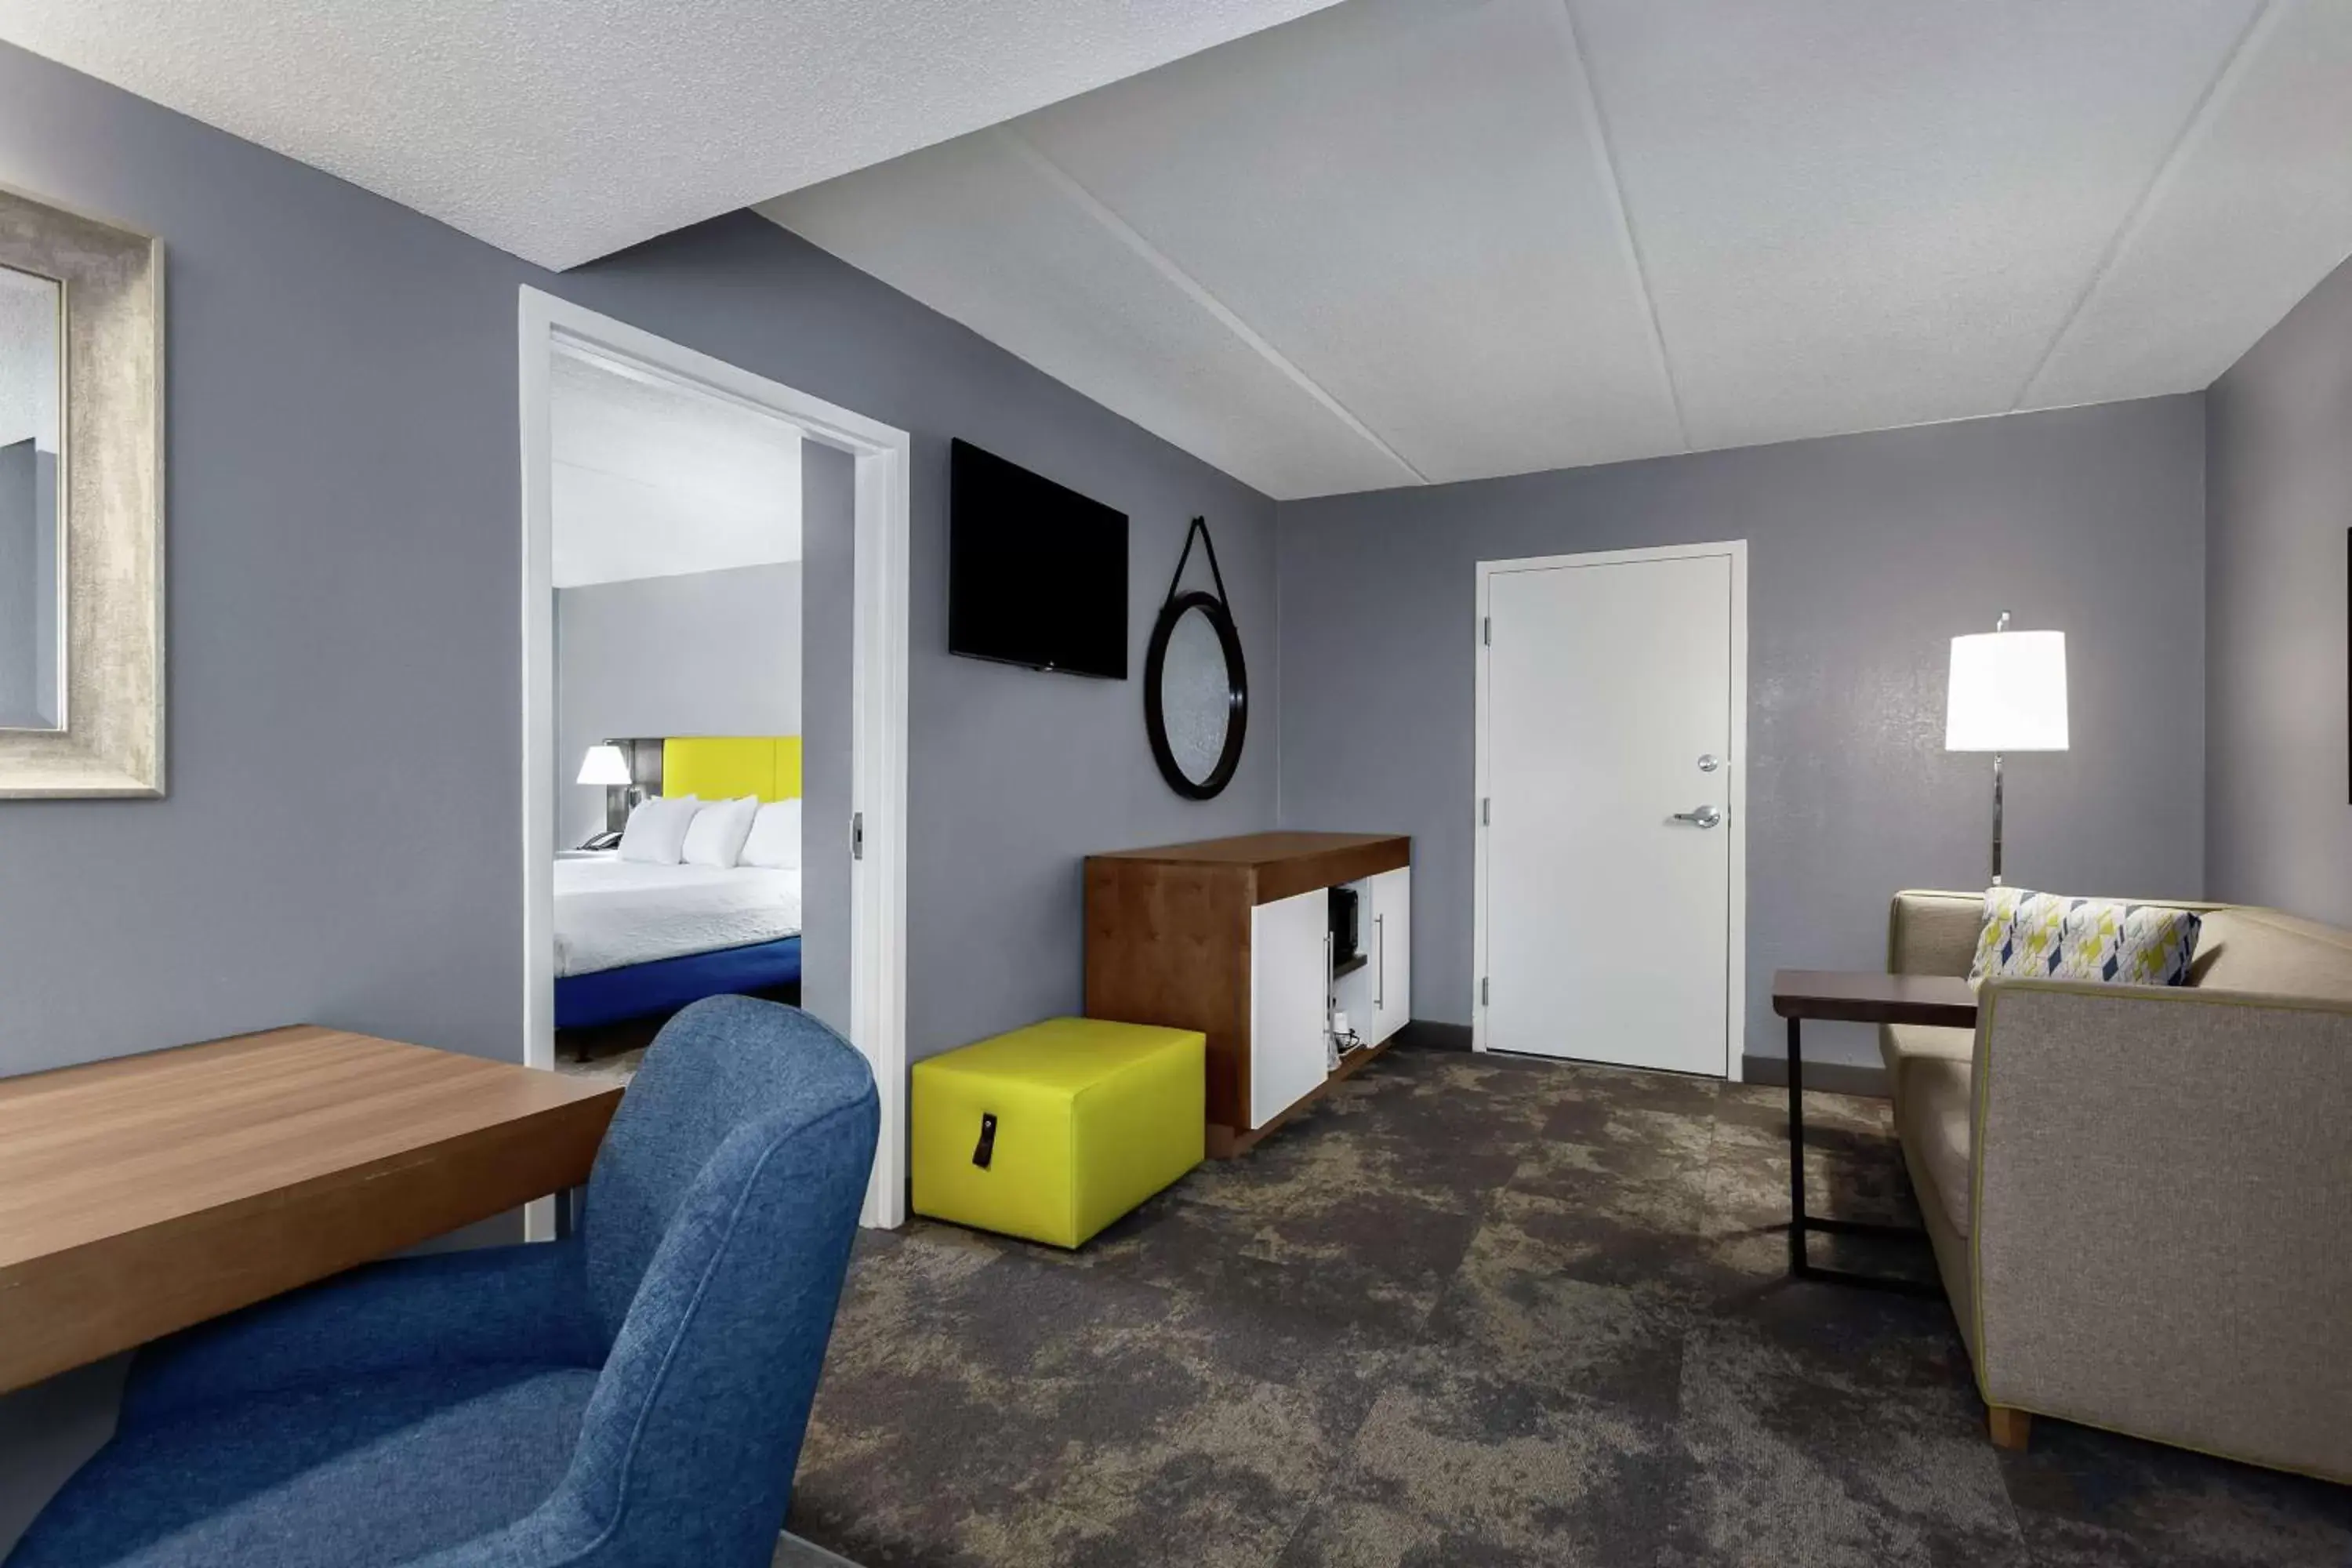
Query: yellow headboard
{"points": [[722, 767]]}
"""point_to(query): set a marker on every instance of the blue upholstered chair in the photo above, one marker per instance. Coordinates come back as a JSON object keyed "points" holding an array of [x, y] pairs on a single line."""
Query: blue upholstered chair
{"points": [[634, 1395]]}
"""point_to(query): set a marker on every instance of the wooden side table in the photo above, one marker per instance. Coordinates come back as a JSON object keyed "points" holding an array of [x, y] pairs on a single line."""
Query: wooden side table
{"points": [[1854, 997]]}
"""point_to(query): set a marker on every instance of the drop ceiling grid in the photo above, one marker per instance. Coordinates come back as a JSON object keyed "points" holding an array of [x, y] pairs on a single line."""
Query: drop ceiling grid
{"points": [[1192, 288], [1852, 227], [2261, 199], [2210, 104], [1412, 206], [977, 232]]}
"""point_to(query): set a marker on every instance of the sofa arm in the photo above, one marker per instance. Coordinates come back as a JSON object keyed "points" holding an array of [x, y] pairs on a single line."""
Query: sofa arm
{"points": [[2161, 1216]]}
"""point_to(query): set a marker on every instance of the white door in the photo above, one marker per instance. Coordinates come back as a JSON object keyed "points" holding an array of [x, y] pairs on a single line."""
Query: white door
{"points": [[1607, 853], [1391, 952], [1290, 976]]}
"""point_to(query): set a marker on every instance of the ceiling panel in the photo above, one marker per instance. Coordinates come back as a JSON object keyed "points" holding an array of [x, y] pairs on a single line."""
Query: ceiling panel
{"points": [[564, 130], [1410, 203], [2258, 209], [980, 231], [1857, 215]]}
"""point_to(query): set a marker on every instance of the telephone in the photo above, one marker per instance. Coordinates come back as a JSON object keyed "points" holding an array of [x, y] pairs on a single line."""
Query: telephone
{"points": [[611, 840]]}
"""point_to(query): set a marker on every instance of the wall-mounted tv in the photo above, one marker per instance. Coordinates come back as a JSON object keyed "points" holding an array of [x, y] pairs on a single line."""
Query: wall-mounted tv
{"points": [[1036, 572]]}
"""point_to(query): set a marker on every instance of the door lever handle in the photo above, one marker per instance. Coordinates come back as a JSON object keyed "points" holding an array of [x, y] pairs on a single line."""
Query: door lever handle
{"points": [[1705, 816]]}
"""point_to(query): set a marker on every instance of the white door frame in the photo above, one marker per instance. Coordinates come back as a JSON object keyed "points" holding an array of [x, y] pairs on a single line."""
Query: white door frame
{"points": [[878, 895], [1736, 785]]}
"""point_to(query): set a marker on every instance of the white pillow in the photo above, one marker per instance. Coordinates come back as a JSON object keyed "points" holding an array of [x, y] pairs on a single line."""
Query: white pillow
{"points": [[775, 840], [657, 830], [718, 831]]}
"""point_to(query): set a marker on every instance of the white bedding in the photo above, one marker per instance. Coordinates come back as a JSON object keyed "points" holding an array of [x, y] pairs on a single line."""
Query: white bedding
{"points": [[610, 912]]}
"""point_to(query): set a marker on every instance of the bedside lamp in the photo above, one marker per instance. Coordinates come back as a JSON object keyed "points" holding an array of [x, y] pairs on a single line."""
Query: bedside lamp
{"points": [[603, 765], [608, 765], [2008, 693]]}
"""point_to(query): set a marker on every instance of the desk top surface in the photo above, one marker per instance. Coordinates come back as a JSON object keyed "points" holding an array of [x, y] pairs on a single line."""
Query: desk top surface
{"points": [[1274, 865], [99, 1151], [1258, 850], [1865, 996]]}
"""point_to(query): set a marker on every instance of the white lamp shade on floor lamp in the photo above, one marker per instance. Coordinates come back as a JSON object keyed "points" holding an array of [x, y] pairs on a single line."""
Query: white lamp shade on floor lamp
{"points": [[2008, 693], [603, 765]]}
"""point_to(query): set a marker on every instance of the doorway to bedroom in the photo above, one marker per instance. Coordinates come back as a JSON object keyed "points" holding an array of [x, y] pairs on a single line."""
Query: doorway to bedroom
{"points": [[676, 538], [714, 653]]}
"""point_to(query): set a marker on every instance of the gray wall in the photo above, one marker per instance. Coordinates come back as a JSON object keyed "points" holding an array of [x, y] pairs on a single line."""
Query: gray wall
{"points": [[829, 539], [704, 653], [2278, 500], [1867, 554]]}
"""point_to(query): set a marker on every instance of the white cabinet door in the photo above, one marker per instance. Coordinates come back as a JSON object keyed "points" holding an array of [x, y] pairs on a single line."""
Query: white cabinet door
{"points": [[1391, 952], [1288, 974]]}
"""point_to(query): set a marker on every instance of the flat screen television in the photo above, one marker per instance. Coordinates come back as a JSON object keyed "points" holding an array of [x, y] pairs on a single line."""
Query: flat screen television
{"points": [[1036, 572]]}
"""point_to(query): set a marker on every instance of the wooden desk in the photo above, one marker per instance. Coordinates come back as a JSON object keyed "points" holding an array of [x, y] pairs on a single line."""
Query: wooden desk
{"points": [[1856, 997], [145, 1193]]}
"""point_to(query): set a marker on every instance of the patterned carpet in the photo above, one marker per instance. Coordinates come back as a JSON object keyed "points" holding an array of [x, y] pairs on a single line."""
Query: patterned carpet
{"points": [[1475, 1310]]}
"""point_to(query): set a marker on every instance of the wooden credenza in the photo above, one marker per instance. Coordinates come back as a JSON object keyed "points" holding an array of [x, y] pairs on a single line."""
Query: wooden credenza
{"points": [[1230, 937]]}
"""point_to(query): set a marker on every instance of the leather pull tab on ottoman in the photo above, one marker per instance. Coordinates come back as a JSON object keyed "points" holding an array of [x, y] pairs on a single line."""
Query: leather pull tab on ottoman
{"points": [[986, 1151]]}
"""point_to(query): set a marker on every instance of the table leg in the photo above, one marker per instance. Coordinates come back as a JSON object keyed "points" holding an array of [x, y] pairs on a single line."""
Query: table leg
{"points": [[1802, 1225], [1797, 1221]]}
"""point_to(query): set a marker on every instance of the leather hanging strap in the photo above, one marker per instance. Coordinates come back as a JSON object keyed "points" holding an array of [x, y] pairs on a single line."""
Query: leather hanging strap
{"points": [[1200, 528]]}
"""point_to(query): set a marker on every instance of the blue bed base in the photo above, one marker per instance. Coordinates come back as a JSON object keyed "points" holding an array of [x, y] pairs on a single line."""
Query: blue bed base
{"points": [[634, 990]]}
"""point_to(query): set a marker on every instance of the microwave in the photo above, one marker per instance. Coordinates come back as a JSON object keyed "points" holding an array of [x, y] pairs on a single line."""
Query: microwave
{"points": [[1345, 930]]}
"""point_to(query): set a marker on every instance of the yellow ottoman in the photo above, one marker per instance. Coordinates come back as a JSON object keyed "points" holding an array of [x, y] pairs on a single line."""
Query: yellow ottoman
{"points": [[1054, 1131]]}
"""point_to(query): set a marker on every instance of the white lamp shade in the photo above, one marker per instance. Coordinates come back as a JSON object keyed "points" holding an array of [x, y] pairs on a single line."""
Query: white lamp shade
{"points": [[2008, 693], [603, 765]]}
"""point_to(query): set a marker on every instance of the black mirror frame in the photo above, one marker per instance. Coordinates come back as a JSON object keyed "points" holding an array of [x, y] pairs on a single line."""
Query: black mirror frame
{"points": [[1155, 716]]}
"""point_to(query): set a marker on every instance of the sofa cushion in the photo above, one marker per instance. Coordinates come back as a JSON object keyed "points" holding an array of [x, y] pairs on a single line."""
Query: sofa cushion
{"points": [[1903, 1045], [376, 1470], [1932, 1118], [2277, 954], [2046, 936]]}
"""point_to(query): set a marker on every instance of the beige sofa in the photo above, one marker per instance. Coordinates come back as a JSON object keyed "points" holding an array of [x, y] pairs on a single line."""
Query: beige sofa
{"points": [[2140, 1197]]}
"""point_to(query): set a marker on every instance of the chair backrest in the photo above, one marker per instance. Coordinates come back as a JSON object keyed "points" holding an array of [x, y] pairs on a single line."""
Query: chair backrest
{"points": [[720, 1215]]}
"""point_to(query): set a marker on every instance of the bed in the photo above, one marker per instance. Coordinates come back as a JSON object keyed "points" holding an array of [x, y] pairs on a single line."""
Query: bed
{"points": [[634, 939]]}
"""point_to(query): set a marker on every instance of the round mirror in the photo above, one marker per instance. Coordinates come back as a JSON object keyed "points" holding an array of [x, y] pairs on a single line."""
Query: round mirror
{"points": [[1195, 695]]}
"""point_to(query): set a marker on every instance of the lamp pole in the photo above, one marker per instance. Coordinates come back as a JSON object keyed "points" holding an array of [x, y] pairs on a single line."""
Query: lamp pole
{"points": [[1999, 625]]}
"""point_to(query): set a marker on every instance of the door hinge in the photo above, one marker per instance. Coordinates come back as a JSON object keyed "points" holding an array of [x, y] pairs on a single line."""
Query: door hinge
{"points": [[1485, 811], [1482, 991], [857, 836], [1486, 630]]}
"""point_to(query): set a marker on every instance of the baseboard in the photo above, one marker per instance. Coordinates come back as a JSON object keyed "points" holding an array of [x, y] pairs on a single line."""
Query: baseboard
{"points": [[1428, 1034], [1831, 1078]]}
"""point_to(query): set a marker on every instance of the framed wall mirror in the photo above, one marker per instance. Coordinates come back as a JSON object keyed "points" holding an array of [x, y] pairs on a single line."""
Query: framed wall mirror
{"points": [[81, 448], [1195, 684]]}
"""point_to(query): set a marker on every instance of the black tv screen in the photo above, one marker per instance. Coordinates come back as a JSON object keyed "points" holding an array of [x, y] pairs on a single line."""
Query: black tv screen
{"points": [[1036, 573]]}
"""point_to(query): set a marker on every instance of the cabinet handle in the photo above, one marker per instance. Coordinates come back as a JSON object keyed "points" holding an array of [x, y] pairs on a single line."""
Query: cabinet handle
{"points": [[1380, 962]]}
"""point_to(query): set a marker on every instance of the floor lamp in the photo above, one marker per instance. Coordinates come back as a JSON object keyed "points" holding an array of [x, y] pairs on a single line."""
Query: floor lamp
{"points": [[2008, 693]]}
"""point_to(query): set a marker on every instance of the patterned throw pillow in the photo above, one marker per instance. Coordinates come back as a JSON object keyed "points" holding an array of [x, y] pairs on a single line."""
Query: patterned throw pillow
{"points": [[2042, 936]]}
